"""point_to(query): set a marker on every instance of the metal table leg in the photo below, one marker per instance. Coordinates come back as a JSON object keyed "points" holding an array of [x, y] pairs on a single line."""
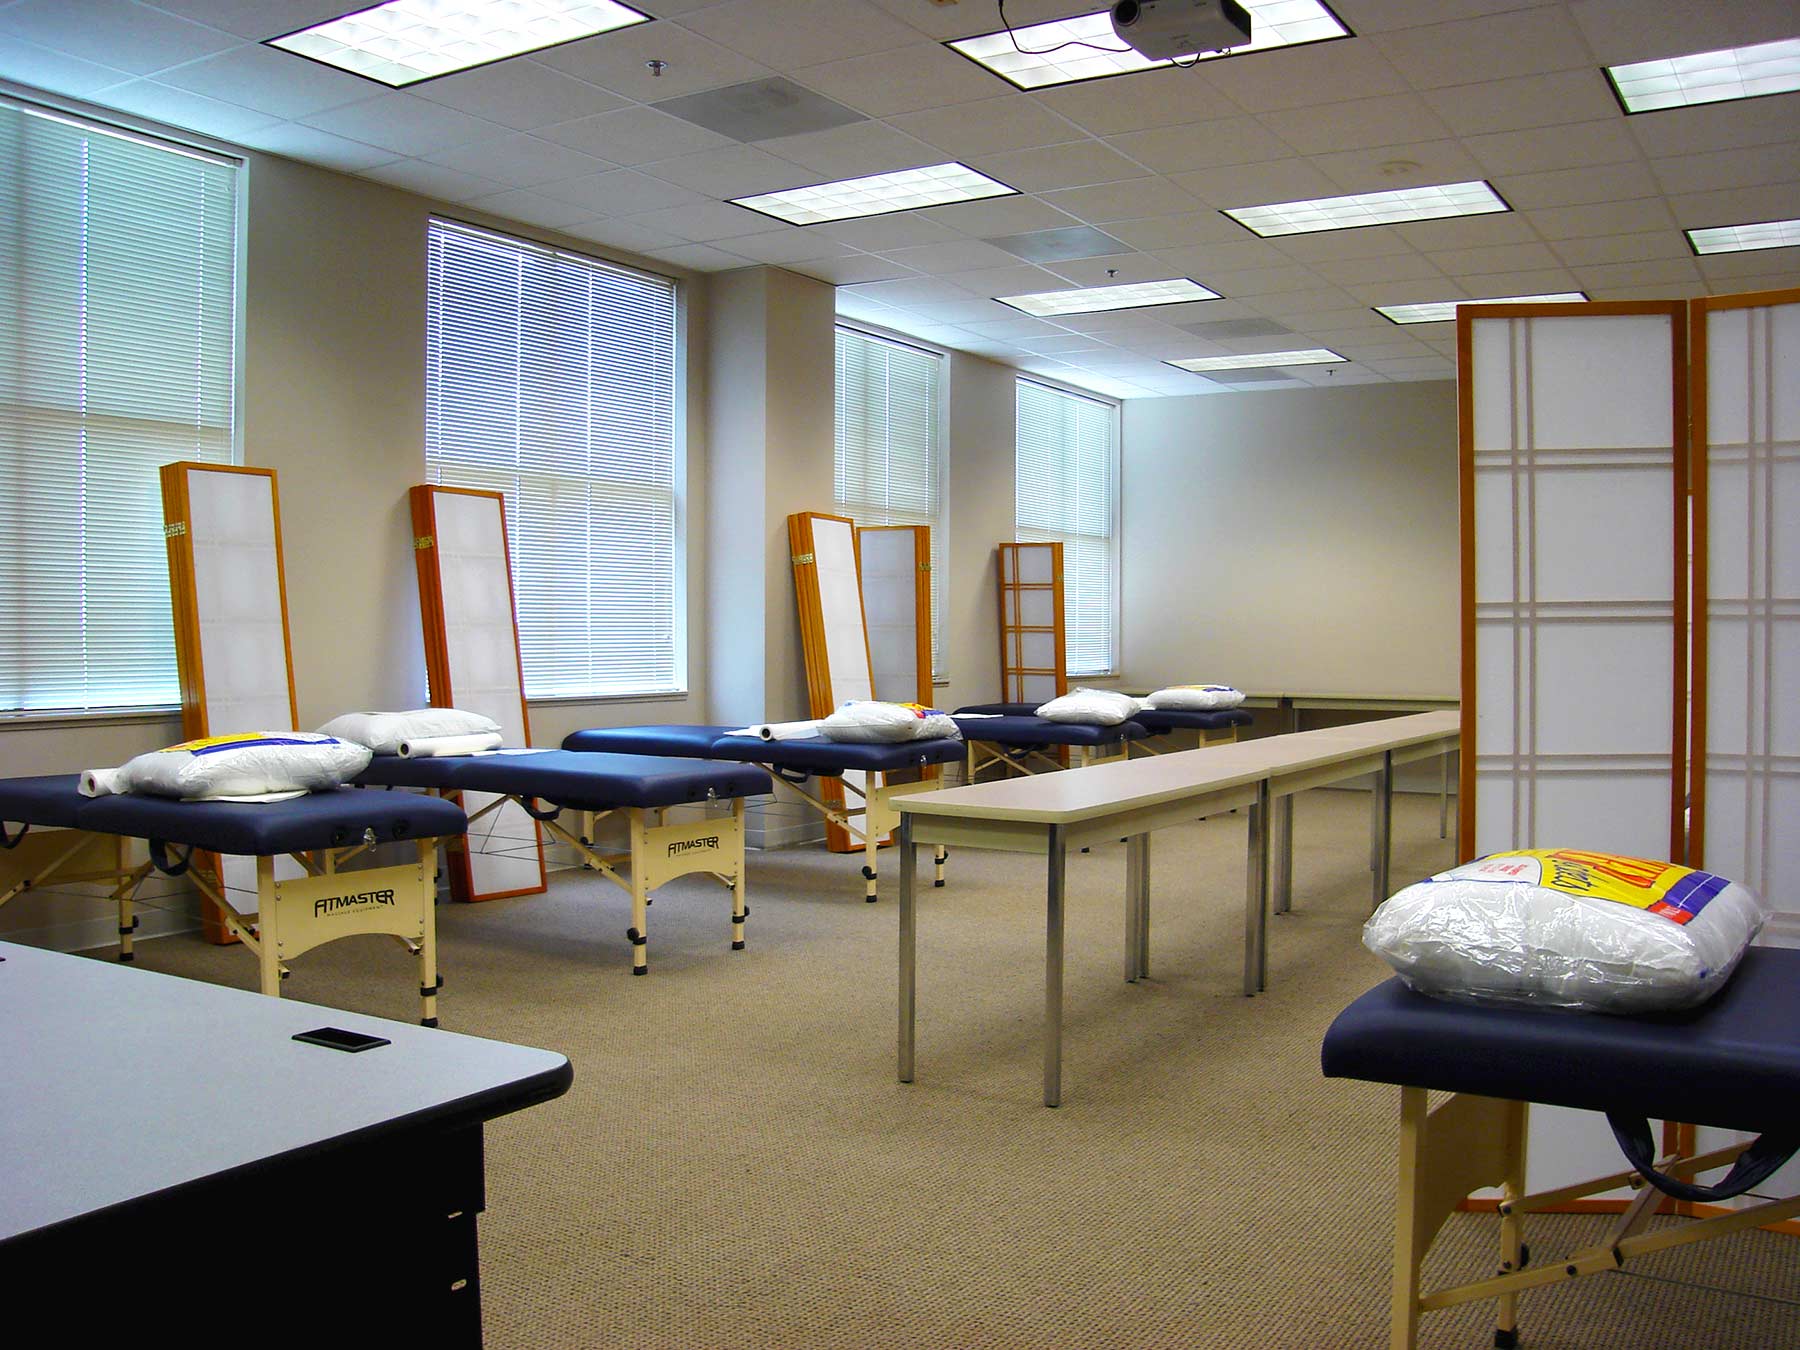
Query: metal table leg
{"points": [[1256, 899], [1384, 825], [909, 866], [1284, 853]]}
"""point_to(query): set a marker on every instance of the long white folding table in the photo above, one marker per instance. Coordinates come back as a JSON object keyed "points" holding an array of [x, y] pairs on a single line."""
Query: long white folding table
{"points": [[1052, 813]]}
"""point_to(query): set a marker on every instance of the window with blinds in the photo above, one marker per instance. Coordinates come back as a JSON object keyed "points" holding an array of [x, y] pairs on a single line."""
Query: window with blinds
{"points": [[551, 377], [890, 448], [118, 287], [1067, 489]]}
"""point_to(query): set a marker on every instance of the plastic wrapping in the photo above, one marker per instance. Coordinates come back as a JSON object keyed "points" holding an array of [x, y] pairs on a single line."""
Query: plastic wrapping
{"points": [[249, 766], [1091, 708], [1195, 698], [1567, 928], [871, 722], [385, 732]]}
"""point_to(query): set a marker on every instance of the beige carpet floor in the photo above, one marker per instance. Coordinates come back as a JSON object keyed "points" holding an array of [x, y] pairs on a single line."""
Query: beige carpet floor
{"points": [[737, 1166]]}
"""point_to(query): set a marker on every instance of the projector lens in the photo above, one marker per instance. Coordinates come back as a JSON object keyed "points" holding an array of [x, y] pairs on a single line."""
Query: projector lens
{"points": [[1125, 13]]}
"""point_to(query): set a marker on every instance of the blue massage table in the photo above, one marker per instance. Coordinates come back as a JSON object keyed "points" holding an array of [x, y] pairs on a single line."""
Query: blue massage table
{"points": [[1733, 1063], [321, 831], [595, 786], [1014, 737], [797, 761], [1214, 726]]}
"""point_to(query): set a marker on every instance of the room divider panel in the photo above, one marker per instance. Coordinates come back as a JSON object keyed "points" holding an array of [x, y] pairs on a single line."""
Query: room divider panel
{"points": [[1033, 666]]}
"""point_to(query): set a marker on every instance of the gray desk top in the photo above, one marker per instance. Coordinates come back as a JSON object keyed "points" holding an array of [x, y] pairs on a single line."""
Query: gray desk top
{"points": [[117, 1083]]}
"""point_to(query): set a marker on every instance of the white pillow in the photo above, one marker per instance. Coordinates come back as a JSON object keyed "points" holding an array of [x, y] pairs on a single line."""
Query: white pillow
{"points": [[1195, 697], [1566, 928], [1091, 707], [249, 766], [385, 732], [872, 722]]}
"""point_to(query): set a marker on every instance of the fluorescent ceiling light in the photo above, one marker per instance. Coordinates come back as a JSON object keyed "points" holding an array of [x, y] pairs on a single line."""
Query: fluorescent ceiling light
{"points": [[1745, 238], [1314, 356], [1708, 77], [877, 194], [1437, 311], [1059, 52], [1093, 299], [406, 41], [1370, 208]]}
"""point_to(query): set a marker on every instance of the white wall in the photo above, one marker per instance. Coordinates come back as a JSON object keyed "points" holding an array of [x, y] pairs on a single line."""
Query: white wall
{"points": [[1297, 541]]}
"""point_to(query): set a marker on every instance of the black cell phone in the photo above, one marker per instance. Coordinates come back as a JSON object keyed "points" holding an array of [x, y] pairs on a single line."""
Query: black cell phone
{"points": [[336, 1038]]}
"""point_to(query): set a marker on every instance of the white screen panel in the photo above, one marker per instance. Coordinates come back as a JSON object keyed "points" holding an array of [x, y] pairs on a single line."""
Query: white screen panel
{"points": [[1035, 566], [482, 654], [1603, 534], [890, 595], [1603, 688], [840, 603], [1601, 381]]}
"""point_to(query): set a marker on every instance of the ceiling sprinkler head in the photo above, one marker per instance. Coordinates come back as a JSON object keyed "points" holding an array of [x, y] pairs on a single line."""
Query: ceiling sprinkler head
{"points": [[656, 68]]}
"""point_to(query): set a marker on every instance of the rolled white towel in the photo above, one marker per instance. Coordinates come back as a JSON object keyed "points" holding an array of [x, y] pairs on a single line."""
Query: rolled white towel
{"points": [[437, 747], [103, 782], [780, 731]]}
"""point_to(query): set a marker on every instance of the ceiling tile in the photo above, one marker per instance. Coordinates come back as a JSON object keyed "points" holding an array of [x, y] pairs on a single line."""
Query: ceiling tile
{"points": [[1509, 227], [54, 71], [914, 291], [731, 171], [634, 136], [1225, 140], [256, 19], [129, 37], [1019, 279], [1134, 200], [854, 151], [1729, 169], [1154, 98], [1237, 253], [1601, 218], [1576, 187], [1304, 77], [616, 61], [1524, 101], [1473, 51], [1630, 30], [1195, 227], [1393, 267], [1477, 262], [1000, 215], [959, 255], [403, 124], [273, 82], [700, 258], [1076, 164], [1326, 244], [1124, 270], [1016, 122], [179, 108], [294, 141], [438, 180], [1717, 126], [1398, 166], [532, 207], [1013, 329], [1601, 278], [789, 33], [1560, 147], [1735, 206], [1758, 271], [1264, 280], [760, 110], [522, 94], [787, 245], [519, 161], [1318, 321], [878, 234], [1279, 180], [903, 80], [1050, 246], [1067, 342], [703, 222], [1395, 119], [1617, 248], [622, 192], [623, 234]]}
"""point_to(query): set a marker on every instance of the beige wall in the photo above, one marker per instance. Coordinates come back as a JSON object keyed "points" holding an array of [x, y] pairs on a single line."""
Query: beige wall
{"points": [[1302, 541], [981, 473]]}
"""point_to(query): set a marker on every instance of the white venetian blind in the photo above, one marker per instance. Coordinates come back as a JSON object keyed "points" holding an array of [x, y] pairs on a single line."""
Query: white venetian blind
{"points": [[118, 291], [890, 448], [551, 378], [1067, 487]]}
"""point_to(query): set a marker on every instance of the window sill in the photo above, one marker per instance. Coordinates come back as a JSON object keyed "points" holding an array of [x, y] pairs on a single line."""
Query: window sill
{"points": [[44, 720], [564, 700]]}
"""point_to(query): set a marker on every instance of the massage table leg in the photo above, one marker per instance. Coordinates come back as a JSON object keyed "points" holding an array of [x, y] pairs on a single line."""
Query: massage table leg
{"points": [[268, 927], [640, 895], [939, 855], [429, 979], [738, 908]]}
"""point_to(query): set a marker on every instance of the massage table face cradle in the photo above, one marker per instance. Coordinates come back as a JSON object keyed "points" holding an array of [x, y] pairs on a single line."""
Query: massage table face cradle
{"points": [[291, 916]]}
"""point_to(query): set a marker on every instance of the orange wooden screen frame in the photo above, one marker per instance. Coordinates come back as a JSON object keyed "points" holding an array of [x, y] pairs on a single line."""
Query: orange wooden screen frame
{"points": [[1008, 671], [441, 691]]}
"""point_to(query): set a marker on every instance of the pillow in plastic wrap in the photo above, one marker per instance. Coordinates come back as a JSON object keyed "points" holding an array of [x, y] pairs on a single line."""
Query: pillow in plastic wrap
{"points": [[1091, 708], [870, 722], [386, 732], [1195, 698], [248, 766], [1567, 928]]}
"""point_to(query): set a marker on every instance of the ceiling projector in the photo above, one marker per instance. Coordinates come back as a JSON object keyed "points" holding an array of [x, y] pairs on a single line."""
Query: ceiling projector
{"points": [[1164, 29]]}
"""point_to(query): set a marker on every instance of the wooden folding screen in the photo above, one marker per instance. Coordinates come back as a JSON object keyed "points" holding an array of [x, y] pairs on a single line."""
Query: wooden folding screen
{"points": [[232, 649], [832, 631], [1746, 635], [472, 662], [1033, 666], [894, 562], [1573, 430]]}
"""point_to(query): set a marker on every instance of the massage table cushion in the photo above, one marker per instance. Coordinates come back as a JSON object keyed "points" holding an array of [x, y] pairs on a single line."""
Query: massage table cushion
{"points": [[579, 782], [1025, 731], [815, 755], [1158, 720]]}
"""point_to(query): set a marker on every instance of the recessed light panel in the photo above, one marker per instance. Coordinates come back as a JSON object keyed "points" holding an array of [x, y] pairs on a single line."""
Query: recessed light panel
{"points": [[1086, 48], [1708, 77], [878, 194], [1439, 311], [1745, 238], [1314, 356], [1094, 299], [406, 41], [1370, 208]]}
